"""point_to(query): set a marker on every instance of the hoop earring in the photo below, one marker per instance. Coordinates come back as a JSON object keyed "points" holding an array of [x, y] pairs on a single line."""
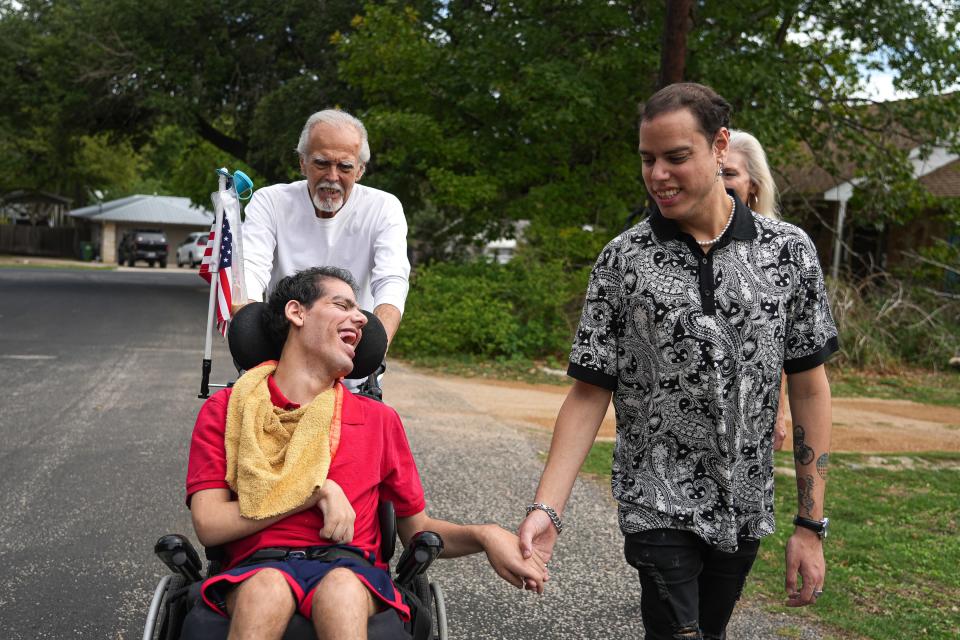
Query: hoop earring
{"points": [[719, 171], [752, 200]]}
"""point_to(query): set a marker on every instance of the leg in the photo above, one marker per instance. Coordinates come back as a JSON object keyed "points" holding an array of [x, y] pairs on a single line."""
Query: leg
{"points": [[721, 584], [669, 564], [260, 607], [341, 606]]}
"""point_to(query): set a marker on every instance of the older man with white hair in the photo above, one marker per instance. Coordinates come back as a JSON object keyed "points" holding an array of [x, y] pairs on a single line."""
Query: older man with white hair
{"points": [[330, 219]]}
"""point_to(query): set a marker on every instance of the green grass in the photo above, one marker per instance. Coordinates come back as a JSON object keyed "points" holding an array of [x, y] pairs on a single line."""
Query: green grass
{"points": [[599, 460], [894, 548], [929, 387], [893, 554]]}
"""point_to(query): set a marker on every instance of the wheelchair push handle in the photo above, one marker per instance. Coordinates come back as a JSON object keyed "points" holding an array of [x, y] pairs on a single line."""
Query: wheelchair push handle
{"points": [[423, 549], [178, 554]]}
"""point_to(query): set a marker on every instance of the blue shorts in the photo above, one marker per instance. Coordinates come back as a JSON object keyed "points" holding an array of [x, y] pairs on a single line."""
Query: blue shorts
{"points": [[303, 576]]}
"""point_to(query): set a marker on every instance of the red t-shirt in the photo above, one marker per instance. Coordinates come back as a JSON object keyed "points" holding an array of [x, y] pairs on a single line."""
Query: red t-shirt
{"points": [[373, 463]]}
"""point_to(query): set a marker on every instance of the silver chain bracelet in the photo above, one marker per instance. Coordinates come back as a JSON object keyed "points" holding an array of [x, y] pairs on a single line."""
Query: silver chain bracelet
{"points": [[547, 509]]}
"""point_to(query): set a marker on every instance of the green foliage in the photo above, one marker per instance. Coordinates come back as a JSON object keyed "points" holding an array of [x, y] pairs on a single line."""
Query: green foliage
{"points": [[184, 164], [487, 309], [480, 114], [241, 75], [536, 103], [484, 115]]}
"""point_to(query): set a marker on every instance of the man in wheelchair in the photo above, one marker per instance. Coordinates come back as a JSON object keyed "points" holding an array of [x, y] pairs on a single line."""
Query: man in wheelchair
{"points": [[286, 472]]}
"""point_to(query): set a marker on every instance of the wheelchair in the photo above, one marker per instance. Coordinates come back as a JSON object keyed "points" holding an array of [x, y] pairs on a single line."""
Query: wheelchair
{"points": [[176, 610]]}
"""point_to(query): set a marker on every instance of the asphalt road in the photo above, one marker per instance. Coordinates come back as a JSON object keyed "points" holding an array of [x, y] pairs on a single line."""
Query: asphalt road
{"points": [[100, 372]]}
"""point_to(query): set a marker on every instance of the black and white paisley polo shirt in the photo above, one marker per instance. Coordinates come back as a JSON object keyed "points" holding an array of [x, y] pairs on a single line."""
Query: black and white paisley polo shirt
{"points": [[693, 346]]}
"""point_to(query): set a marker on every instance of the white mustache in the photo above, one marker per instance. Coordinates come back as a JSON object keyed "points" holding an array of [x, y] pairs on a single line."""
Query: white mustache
{"points": [[324, 184]]}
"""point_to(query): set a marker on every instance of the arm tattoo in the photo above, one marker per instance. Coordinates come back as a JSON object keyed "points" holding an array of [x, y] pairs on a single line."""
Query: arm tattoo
{"points": [[822, 463], [801, 452], [805, 495]]}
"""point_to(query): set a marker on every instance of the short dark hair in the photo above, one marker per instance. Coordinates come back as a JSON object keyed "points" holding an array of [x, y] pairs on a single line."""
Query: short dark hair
{"points": [[306, 287], [710, 110]]}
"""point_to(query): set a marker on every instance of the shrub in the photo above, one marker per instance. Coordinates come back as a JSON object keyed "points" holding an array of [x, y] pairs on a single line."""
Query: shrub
{"points": [[520, 309], [887, 322]]}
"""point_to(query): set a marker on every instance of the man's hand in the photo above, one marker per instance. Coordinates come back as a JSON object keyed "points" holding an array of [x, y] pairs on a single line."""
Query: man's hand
{"points": [[503, 552], [780, 429], [537, 536], [338, 514], [804, 557]]}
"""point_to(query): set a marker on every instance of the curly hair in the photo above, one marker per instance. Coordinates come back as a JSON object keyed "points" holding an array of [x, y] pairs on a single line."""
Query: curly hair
{"points": [[306, 287]]}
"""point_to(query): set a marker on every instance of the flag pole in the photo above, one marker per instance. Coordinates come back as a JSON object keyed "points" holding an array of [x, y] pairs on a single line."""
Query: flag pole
{"points": [[214, 283]]}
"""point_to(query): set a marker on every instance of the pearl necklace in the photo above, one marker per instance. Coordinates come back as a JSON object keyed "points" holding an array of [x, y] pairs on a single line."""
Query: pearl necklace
{"points": [[707, 243]]}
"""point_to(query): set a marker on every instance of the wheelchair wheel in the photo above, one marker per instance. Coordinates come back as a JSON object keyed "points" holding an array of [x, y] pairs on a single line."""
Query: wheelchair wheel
{"points": [[439, 612], [166, 610]]}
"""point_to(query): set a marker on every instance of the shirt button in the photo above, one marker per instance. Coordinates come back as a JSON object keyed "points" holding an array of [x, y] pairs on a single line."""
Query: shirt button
{"points": [[703, 260], [707, 293]]}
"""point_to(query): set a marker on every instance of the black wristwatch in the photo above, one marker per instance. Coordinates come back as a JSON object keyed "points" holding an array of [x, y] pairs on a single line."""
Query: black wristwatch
{"points": [[819, 527]]}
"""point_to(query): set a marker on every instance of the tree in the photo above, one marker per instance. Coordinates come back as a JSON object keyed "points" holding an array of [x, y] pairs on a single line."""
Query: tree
{"points": [[485, 113], [480, 113], [673, 51], [241, 75]]}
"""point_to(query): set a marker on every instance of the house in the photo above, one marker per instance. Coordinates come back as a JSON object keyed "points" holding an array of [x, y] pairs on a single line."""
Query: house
{"points": [[821, 203], [176, 216]]}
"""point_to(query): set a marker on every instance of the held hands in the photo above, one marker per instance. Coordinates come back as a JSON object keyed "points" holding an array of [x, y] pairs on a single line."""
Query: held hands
{"points": [[537, 536], [804, 557], [338, 514], [503, 552]]}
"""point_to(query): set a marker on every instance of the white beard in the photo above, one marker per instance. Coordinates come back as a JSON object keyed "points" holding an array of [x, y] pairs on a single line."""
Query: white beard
{"points": [[330, 204]]}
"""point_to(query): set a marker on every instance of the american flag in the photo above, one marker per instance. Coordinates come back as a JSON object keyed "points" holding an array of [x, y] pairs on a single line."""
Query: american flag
{"points": [[225, 279]]}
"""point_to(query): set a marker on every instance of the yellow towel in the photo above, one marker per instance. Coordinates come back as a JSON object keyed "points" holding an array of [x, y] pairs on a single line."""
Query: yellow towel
{"points": [[275, 458]]}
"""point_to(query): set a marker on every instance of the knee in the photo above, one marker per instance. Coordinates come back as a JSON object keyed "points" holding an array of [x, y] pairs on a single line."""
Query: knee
{"points": [[340, 588], [267, 589]]}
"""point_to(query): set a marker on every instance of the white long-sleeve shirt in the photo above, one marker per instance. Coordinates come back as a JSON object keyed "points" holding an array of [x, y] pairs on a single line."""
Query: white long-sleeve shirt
{"points": [[368, 237]]}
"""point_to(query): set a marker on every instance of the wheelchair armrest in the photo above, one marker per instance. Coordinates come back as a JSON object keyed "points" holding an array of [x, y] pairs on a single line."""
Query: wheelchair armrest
{"points": [[423, 549], [388, 531], [179, 555]]}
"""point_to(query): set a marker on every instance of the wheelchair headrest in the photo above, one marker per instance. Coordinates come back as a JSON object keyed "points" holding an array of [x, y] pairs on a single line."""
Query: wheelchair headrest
{"points": [[251, 344]]}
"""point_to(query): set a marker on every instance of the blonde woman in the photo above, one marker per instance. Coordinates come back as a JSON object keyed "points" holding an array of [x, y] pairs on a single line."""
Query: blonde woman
{"points": [[748, 174]]}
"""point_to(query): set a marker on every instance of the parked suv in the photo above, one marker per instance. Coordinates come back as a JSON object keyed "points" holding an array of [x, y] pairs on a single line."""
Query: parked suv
{"points": [[149, 245], [190, 251]]}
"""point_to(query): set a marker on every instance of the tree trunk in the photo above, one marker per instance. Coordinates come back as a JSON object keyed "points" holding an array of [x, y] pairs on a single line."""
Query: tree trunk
{"points": [[673, 53]]}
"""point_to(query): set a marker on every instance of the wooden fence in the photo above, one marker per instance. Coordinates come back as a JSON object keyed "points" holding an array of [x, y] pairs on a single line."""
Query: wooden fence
{"points": [[42, 241]]}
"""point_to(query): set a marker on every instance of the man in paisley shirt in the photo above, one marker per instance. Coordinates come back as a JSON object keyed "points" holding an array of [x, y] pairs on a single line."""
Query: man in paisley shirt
{"points": [[689, 319]]}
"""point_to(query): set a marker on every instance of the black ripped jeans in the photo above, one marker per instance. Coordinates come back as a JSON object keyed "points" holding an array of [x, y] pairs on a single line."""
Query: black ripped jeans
{"points": [[689, 589]]}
